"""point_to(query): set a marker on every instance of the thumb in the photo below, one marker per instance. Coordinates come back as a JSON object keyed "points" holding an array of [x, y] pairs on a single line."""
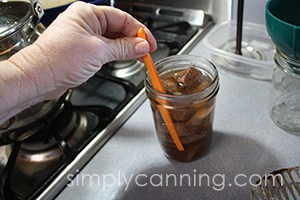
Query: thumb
{"points": [[128, 48]]}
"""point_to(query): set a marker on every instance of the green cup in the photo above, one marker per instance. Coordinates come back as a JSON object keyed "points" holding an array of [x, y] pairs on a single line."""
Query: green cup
{"points": [[283, 25]]}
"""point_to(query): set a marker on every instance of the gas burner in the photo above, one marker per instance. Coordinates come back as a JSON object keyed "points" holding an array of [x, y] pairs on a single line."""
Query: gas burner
{"points": [[127, 68], [130, 70], [70, 126], [41, 152], [31, 120], [35, 160]]}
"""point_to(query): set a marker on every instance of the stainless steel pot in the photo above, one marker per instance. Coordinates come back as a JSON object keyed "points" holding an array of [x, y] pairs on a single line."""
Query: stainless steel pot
{"points": [[19, 26]]}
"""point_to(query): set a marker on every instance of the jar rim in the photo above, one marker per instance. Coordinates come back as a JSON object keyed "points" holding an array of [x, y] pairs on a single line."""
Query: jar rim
{"points": [[283, 60], [205, 93]]}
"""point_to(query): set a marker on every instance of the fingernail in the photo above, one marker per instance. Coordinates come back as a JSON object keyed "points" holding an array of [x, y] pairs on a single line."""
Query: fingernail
{"points": [[142, 48]]}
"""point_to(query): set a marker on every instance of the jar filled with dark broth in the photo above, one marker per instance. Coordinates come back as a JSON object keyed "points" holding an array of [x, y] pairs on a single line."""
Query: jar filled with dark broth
{"points": [[191, 85]]}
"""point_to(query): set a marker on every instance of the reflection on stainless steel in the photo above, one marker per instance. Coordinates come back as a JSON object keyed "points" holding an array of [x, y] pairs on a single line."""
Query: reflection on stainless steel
{"points": [[131, 70], [17, 27], [73, 130], [3, 157], [123, 64], [30, 120], [40, 154], [219, 10], [43, 154]]}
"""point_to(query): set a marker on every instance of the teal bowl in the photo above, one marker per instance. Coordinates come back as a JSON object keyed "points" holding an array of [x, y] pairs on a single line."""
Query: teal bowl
{"points": [[283, 25]]}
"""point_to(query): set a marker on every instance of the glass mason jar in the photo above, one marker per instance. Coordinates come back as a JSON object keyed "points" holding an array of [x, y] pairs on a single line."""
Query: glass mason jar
{"points": [[192, 114], [284, 103]]}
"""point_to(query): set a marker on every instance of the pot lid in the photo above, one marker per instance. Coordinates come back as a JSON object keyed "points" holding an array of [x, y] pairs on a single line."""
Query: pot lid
{"points": [[17, 23], [13, 17]]}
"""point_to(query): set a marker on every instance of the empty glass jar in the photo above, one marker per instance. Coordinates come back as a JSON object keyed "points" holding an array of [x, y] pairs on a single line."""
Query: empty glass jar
{"points": [[284, 105]]}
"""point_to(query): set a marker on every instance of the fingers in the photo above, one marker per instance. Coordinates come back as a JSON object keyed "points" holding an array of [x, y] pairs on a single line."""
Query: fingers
{"points": [[121, 22], [141, 48], [111, 22], [150, 39], [126, 48]]}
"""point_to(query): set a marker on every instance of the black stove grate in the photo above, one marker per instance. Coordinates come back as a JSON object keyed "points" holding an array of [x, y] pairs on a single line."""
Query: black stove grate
{"points": [[173, 34], [98, 115]]}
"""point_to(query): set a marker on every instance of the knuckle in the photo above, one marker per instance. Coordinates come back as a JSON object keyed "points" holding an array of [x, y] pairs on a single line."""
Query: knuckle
{"points": [[80, 7]]}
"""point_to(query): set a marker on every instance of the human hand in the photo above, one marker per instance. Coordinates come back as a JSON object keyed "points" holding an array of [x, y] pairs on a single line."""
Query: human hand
{"points": [[78, 43]]}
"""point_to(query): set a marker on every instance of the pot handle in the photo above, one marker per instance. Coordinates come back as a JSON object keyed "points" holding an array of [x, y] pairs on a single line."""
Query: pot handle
{"points": [[37, 8]]}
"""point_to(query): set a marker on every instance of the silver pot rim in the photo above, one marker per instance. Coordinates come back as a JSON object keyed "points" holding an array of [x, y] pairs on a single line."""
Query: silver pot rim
{"points": [[23, 28]]}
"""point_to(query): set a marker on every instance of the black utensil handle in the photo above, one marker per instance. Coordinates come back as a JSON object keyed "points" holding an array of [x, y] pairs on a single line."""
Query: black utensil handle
{"points": [[239, 28]]}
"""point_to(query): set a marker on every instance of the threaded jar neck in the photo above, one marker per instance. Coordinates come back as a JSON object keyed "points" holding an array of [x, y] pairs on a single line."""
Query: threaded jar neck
{"points": [[286, 63], [182, 62]]}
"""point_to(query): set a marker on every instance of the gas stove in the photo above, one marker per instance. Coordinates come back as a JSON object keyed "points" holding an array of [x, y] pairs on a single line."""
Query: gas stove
{"points": [[86, 117]]}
